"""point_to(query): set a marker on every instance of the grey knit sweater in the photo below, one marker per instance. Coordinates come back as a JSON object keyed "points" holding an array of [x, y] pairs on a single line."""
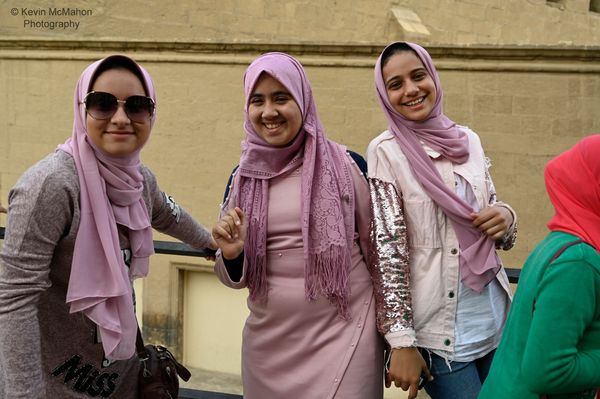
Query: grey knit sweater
{"points": [[45, 352]]}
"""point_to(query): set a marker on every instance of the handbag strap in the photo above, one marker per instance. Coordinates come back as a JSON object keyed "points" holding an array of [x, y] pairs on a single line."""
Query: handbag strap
{"points": [[552, 259], [139, 345]]}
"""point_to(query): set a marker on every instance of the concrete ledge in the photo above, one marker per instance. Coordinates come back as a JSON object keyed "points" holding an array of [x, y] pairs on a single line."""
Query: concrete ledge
{"points": [[557, 59]]}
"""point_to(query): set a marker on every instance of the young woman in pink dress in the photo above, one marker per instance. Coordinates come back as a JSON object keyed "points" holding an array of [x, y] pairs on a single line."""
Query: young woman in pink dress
{"points": [[294, 231]]}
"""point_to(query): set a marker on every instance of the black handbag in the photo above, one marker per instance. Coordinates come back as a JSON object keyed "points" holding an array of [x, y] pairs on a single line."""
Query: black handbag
{"points": [[159, 371]]}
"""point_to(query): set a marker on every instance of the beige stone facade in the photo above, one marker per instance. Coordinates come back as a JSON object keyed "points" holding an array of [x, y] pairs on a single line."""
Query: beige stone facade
{"points": [[524, 74]]}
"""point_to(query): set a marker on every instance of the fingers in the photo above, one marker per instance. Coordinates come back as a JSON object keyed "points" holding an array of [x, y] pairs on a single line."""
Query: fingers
{"points": [[494, 221], [427, 374], [413, 391], [240, 215], [227, 227], [388, 381]]}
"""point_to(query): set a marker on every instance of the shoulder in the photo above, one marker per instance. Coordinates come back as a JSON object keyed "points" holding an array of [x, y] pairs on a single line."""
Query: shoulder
{"points": [[383, 139], [580, 254], [54, 171], [230, 182], [359, 161], [149, 177], [51, 184], [474, 138]]}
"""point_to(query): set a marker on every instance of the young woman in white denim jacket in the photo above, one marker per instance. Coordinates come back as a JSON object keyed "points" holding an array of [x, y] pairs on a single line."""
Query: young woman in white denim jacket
{"points": [[442, 293]]}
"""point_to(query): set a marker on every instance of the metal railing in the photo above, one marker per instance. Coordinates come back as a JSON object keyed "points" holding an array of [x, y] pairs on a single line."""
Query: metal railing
{"points": [[178, 248]]}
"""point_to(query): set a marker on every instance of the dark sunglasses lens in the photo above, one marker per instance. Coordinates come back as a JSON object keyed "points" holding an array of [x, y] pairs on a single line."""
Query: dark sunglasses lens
{"points": [[101, 105], [139, 108]]}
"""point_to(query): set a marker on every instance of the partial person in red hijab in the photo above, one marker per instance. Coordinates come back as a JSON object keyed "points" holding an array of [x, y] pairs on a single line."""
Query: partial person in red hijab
{"points": [[551, 343], [294, 230]]}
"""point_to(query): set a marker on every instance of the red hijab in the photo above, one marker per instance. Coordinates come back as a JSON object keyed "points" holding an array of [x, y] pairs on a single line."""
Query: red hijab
{"points": [[573, 184]]}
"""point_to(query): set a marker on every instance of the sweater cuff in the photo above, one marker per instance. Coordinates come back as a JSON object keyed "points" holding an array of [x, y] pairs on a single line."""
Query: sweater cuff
{"points": [[234, 267]]}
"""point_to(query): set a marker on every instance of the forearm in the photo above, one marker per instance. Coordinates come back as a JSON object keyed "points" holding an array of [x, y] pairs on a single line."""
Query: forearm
{"points": [[171, 219], [20, 349], [509, 239], [389, 264]]}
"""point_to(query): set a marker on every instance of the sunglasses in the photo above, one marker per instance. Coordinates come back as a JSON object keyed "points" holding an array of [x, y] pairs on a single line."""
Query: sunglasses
{"points": [[100, 105]]}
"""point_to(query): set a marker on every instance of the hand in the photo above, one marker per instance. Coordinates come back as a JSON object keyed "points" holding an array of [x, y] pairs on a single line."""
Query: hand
{"points": [[406, 367], [211, 245], [493, 221], [230, 233]]}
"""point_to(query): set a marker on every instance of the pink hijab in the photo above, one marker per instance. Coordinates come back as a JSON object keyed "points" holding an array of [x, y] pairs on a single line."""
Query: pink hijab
{"points": [[110, 194], [327, 190], [573, 184], [478, 260]]}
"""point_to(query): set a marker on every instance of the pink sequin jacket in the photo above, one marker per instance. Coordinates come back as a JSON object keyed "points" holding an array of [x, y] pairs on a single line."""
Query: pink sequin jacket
{"points": [[414, 250]]}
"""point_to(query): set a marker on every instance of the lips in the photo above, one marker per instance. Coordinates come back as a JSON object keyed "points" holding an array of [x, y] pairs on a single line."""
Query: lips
{"points": [[120, 133], [414, 102], [272, 126]]}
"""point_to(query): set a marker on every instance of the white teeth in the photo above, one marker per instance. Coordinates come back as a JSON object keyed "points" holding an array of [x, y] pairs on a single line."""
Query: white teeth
{"points": [[415, 102], [272, 125]]}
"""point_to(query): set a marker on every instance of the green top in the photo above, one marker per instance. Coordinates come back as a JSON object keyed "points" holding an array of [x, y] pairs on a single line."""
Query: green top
{"points": [[556, 349]]}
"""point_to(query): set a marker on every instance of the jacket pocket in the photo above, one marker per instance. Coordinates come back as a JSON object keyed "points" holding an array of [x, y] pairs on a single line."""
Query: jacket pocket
{"points": [[424, 221]]}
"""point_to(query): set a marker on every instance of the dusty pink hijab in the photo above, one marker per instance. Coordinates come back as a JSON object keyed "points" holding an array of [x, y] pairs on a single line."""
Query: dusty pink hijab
{"points": [[110, 194], [327, 190], [478, 260]]}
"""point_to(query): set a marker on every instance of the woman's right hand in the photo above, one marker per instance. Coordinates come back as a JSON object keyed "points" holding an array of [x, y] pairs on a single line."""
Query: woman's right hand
{"points": [[230, 233], [405, 370]]}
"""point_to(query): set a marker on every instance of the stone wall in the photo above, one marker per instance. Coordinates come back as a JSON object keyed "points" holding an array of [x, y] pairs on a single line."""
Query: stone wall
{"points": [[522, 22]]}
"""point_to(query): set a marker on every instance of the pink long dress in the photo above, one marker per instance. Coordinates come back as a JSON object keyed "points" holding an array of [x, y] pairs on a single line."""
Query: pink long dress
{"points": [[296, 349]]}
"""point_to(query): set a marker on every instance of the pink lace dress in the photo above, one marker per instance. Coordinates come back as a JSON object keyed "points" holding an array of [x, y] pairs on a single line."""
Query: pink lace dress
{"points": [[293, 348]]}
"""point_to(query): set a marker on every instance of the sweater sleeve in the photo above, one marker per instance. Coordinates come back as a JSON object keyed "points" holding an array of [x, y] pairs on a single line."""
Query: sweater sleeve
{"points": [[232, 272], [557, 359], [170, 218], [41, 207], [388, 255]]}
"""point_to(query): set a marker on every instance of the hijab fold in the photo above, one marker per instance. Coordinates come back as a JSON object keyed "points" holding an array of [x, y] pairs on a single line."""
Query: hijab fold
{"points": [[110, 195], [327, 202], [573, 184], [478, 260]]}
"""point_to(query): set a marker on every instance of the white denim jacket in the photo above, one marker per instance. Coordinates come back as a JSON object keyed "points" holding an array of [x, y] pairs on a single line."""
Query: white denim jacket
{"points": [[414, 248]]}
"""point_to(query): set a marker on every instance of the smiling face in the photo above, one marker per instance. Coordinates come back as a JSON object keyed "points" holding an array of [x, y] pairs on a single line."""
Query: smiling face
{"points": [[118, 135], [410, 88], [273, 112]]}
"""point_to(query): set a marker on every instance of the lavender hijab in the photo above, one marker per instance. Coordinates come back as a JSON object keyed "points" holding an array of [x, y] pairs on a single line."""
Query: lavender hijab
{"points": [[478, 260], [327, 216], [110, 193]]}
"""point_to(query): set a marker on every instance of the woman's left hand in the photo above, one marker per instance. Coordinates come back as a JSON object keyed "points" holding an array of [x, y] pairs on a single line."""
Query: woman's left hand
{"points": [[493, 221]]}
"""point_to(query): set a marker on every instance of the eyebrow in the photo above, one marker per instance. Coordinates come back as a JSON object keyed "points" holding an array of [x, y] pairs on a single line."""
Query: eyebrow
{"points": [[277, 93]]}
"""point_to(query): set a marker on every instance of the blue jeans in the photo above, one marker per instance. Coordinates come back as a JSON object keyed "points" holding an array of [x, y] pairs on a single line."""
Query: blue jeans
{"points": [[462, 380]]}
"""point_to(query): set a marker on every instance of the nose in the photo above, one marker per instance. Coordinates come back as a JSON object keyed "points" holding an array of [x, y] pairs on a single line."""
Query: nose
{"points": [[411, 88], [270, 110], [120, 116]]}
